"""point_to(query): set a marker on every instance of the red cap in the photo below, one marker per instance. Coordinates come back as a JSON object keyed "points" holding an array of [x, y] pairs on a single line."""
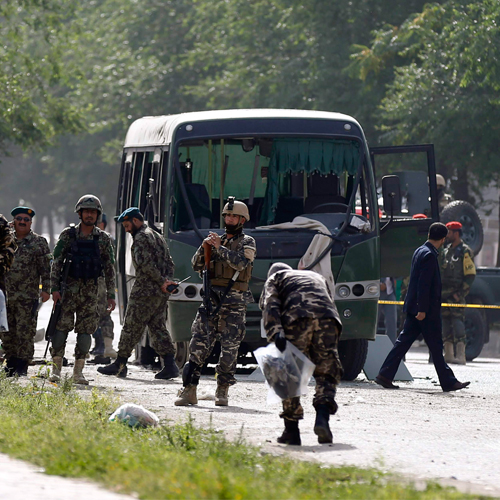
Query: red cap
{"points": [[419, 216], [454, 225]]}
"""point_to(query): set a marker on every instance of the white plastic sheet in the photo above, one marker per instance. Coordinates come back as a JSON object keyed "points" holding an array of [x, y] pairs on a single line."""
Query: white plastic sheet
{"points": [[135, 416]]}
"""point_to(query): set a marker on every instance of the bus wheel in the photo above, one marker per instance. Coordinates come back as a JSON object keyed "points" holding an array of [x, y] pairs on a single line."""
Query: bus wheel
{"points": [[476, 331], [181, 353], [352, 355]]}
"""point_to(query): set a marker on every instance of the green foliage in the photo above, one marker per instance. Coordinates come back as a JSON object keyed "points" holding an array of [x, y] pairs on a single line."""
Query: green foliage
{"points": [[69, 435], [36, 71]]}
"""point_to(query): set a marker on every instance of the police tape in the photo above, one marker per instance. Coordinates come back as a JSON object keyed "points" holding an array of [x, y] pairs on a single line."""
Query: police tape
{"points": [[470, 306]]}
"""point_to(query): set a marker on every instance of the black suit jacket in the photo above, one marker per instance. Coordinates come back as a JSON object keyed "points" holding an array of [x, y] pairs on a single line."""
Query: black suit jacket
{"points": [[424, 290]]}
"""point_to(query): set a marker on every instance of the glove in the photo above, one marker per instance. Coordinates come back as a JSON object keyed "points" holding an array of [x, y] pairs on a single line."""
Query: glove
{"points": [[280, 341]]}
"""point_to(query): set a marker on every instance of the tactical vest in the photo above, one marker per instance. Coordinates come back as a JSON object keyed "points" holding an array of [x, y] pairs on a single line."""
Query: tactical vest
{"points": [[86, 263], [452, 269], [221, 273]]}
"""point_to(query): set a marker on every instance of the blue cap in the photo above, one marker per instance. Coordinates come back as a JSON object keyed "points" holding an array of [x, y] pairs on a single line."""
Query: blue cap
{"points": [[22, 210], [129, 214]]}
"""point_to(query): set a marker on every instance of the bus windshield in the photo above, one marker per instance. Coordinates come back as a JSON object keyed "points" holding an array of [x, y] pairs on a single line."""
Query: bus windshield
{"points": [[279, 178]]}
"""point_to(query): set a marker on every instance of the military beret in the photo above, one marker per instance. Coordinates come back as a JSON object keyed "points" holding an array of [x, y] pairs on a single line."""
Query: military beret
{"points": [[129, 214], [419, 216], [22, 210], [454, 226]]}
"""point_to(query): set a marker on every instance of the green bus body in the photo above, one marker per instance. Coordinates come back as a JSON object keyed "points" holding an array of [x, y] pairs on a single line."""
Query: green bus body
{"points": [[316, 164]]}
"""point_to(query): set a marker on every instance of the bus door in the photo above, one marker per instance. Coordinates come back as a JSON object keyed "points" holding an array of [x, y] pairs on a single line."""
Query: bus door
{"points": [[400, 236]]}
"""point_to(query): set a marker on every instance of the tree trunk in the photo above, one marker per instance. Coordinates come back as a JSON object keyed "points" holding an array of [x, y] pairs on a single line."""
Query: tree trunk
{"points": [[50, 227], [461, 185]]}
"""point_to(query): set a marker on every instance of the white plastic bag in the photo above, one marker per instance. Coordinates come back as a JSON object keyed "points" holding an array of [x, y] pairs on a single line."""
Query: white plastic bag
{"points": [[4, 326], [287, 373], [135, 416]]}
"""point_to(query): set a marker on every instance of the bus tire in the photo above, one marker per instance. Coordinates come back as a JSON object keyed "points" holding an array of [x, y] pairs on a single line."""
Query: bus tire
{"points": [[476, 330], [352, 354], [181, 353], [465, 213]]}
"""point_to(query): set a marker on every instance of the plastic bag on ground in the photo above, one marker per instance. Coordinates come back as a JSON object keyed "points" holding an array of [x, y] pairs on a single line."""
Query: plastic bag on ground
{"points": [[135, 416], [287, 373]]}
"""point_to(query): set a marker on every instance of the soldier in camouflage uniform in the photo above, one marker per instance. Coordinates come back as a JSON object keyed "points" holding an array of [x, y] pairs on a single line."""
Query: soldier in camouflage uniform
{"points": [[91, 254], [457, 274], [7, 250], [147, 304], [30, 267], [297, 306], [231, 262]]}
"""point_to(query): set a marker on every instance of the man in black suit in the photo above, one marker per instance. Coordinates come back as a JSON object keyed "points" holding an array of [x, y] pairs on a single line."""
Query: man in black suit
{"points": [[423, 314]]}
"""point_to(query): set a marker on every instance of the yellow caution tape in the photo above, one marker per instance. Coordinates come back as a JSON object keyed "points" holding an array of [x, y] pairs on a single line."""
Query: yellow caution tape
{"points": [[471, 306]]}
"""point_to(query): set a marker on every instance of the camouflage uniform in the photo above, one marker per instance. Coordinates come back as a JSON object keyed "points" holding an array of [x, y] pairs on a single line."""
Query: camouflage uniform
{"points": [[7, 249], [228, 325], [457, 274], [105, 322], [81, 295], [298, 303], [147, 304], [31, 265]]}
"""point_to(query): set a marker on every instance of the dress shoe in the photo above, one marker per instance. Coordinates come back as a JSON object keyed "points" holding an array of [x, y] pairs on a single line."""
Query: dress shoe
{"points": [[457, 386], [385, 382]]}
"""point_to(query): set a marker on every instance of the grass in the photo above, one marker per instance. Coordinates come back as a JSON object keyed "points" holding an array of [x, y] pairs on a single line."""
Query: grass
{"points": [[68, 435]]}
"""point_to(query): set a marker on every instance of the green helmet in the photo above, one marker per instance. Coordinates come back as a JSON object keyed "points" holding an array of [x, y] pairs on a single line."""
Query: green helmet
{"points": [[89, 201]]}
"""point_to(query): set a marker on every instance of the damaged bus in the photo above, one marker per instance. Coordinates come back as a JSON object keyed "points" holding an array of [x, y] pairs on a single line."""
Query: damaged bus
{"points": [[180, 169]]}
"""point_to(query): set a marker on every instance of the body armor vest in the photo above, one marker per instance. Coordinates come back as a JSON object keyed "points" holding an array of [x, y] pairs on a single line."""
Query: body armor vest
{"points": [[221, 273], [86, 261]]}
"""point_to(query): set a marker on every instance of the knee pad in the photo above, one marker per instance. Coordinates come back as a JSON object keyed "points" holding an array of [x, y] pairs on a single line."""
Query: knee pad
{"points": [[84, 341], [188, 375], [58, 339]]}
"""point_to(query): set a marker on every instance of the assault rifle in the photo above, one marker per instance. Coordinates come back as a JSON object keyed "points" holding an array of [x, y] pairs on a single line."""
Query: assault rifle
{"points": [[207, 290], [57, 309]]}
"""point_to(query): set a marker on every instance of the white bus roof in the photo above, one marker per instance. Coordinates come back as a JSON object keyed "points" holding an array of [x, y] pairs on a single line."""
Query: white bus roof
{"points": [[158, 130]]}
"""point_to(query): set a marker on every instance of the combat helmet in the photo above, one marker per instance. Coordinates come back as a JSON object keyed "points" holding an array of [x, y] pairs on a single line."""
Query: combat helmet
{"points": [[440, 181], [88, 201], [236, 208]]}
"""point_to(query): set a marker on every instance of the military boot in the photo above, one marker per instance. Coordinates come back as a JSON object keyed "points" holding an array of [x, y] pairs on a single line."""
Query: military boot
{"points": [[118, 367], [22, 367], [221, 395], [321, 427], [187, 396], [11, 366], [78, 377], [109, 352], [291, 434], [169, 370], [56, 369], [449, 354], [460, 359]]}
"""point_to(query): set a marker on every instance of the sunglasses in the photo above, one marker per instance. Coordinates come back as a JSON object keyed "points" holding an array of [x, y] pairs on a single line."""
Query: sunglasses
{"points": [[22, 219]]}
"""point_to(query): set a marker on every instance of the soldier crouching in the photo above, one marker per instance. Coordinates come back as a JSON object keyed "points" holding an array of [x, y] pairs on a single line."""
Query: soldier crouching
{"points": [[230, 270], [297, 307]]}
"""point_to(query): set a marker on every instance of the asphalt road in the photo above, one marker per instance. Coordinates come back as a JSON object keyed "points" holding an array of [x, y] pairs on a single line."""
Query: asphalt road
{"points": [[417, 431]]}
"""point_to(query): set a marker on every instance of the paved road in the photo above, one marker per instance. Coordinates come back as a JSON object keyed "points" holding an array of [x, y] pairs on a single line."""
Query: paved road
{"points": [[417, 431]]}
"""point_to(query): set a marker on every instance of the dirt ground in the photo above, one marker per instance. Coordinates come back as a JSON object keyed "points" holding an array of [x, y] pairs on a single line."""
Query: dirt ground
{"points": [[417, 431]]}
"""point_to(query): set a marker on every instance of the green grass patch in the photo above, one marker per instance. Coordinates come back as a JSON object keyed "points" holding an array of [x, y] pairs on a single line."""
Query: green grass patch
{"points": [[69, 435]]}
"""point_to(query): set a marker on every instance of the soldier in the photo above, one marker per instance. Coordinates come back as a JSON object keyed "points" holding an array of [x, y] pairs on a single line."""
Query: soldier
{"points": [[297, 306], [147, 304], [91, 253], [443, 197], [7, 250], [30, 267], [230, 269], [104, 334], [458, 273]]}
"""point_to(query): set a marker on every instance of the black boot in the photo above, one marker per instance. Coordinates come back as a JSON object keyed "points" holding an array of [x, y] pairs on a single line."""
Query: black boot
{"points": [[11, 366], [169, 370], [118, 367], [321, 427], [291, 434], [98, 349], [22, 367]]}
